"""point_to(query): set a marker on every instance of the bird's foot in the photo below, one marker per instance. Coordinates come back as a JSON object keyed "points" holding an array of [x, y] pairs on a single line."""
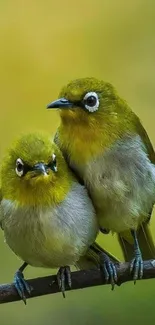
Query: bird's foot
{"points": [[136, 265], [21, 285], [109, 269], [64, 278]]}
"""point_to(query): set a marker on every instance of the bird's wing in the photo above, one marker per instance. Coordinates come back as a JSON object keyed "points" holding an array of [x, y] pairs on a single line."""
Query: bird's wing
{"points": [[144, 136], [146, 234]]}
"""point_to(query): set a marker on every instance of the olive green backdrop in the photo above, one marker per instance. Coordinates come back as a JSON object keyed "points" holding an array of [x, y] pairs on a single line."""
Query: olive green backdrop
{"points": [[44, 44]]}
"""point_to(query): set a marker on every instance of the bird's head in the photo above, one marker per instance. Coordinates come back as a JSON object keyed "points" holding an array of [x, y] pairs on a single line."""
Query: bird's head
{"points": [[34, 171], [88, 99]]}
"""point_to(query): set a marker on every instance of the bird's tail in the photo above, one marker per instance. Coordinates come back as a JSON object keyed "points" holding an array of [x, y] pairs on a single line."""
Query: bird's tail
{"points": [[121, 247]]}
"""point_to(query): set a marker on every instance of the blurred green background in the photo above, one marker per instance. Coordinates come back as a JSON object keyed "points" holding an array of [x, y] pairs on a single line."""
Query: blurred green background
{"points": [[44, 44]]}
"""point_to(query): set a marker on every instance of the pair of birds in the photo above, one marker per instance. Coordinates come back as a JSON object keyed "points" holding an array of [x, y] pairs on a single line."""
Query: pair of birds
{"points": [[51, 217]]}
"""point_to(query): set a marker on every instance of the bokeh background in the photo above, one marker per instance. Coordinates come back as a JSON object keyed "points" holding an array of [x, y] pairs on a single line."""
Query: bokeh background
{"points": [[44, 44]]}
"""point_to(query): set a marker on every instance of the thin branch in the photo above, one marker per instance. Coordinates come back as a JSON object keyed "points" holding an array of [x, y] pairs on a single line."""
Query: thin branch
{"points": [[80, 279]]}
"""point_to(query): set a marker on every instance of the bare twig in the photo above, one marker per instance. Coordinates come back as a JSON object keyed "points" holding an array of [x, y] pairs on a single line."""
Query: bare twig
{"points": [[80, 279]]}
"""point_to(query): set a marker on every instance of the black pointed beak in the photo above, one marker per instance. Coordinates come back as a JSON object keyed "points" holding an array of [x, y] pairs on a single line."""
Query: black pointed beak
{"points": [[40, 168], [60, 103]]}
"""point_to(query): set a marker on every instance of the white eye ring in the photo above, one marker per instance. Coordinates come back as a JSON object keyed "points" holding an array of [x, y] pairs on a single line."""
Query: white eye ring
{"points": [[19, 167], [96, 102], [54, 160], [54, 157]]}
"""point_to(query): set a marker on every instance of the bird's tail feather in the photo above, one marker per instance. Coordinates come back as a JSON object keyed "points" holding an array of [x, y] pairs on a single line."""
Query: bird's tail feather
{"points": [[121, 247]]}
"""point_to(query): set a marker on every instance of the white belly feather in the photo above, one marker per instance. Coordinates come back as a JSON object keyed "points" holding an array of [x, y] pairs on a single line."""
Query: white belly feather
{"points": [[51, 237]]}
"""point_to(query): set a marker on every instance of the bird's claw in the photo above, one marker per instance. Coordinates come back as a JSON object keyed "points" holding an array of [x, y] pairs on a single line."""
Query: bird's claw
{"points": [[21, 285], [64, 278], [136, 266], [109, 270]]}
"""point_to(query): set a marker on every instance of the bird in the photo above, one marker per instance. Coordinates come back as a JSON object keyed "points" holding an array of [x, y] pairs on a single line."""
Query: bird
{"points": [[107, 147], [47, 217]]}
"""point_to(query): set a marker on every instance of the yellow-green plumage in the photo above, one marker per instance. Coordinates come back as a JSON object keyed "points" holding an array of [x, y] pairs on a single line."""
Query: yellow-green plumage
{"points": [[110, 151], [33, 148], [47, 217], [100, 129]]}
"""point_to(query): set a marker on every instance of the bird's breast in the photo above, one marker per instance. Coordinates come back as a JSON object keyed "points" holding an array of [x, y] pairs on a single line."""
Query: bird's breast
{"points": [[53, 236]]}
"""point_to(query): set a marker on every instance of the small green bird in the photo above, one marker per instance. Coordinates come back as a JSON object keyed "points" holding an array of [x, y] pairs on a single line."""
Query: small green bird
{"points": [[108, 148], [47, 216]]}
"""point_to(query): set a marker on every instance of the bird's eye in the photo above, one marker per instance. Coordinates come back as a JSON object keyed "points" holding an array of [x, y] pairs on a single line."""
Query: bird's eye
{"points": [[19, 167], [91, 102], [53, 163]]}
